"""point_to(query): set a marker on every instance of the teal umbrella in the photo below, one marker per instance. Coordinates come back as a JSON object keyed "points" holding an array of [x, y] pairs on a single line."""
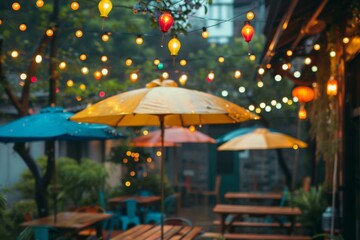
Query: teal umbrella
{"points": [[53, 124]]}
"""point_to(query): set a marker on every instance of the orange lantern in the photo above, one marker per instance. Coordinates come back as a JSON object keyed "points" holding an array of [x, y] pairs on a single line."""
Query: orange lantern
{"points": [[303, 93], [247, 31], [302, 114], [332, 86]]}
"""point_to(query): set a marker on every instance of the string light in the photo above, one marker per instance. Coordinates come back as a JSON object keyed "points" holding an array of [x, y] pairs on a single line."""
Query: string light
{"points": [[210, 77], [183, 78], [74, 6], [128, 62], [139, 40], [165, 75], [205, 33], [22, 27], [62, 65], [38, 58], [85, 70], [183, 62], [105, 37], [252, 57], [49, 32], [261, 71], [14, 54], [16, 6], [82, 57], [104, 58], [156, 62], [250, 15], [79, 33], [39, 3], [332, 53], [346, 40], [289, 53], [70, 83], [134, 77], [221, 59], [307, 61], [317, 47], [104, 71], [237, 74], [97, 75]]}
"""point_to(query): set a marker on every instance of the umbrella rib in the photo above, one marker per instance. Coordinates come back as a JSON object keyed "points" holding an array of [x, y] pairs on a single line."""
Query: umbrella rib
{"points": [[120, 119]]}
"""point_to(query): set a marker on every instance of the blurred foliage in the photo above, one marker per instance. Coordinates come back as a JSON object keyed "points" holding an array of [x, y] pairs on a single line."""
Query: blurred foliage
{"points": [[78, 183], [312, 205]]}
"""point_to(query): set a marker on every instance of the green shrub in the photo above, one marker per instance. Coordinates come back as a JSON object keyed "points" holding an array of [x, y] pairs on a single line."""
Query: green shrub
{"points": [[312, 205], [78, 183]]}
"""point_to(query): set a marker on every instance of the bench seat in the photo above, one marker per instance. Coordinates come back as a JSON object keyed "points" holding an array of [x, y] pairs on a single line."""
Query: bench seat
{"points": [[251, 236], [257, 224]]}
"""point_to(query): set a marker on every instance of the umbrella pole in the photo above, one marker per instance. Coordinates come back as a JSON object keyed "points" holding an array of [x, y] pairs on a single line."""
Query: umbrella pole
{"points": [[162, 173]]}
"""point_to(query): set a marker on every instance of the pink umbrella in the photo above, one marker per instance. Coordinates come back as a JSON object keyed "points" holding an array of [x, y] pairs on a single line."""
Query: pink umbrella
{"points": [[173, 136]]}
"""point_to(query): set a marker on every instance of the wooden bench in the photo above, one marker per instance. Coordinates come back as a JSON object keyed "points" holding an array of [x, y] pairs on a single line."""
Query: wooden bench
{"points": [[251, 236], [257, 224]]}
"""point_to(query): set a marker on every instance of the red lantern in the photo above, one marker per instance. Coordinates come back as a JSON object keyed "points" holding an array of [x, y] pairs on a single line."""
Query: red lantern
{"points": [[247, 31], [166, 21], [303, 93]]}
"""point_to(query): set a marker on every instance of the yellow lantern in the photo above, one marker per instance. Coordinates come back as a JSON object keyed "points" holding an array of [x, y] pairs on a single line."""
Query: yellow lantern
{"points": [[332, 86], [174, 46], [105, 7]]}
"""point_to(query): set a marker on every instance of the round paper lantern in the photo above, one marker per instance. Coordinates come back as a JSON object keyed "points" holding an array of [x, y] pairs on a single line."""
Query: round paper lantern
{"points": [[303, 93]]}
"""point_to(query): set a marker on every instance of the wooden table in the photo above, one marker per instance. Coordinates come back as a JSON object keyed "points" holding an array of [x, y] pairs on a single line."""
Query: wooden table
{"points": [[238, 210], [138, 199], [67, 221], [252, 195], [152, 232]]}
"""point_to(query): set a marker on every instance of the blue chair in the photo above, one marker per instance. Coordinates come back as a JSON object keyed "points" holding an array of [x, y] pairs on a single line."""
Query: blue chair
{"points": [[109, 223], [130, 217], [169, 207]]}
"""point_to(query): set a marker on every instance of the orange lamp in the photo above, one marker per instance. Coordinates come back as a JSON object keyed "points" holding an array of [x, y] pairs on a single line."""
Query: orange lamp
{"points": [[302, 114]]}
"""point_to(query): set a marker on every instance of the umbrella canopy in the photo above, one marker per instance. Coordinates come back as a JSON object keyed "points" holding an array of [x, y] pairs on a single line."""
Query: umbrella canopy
{"points": [[172, 136], [162, 104], [261, 138], [53, 123]]}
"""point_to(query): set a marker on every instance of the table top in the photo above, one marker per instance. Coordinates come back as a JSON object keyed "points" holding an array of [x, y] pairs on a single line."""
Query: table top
{"points": [[253, 195], [256, 210], [139, 199], [69, 220], [152, 232]]}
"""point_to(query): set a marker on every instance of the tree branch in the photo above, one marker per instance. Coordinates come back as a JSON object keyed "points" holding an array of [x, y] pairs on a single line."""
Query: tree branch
{"points": [[6, 85]]}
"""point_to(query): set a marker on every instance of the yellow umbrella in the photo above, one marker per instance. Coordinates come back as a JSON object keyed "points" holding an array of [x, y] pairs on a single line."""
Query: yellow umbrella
{"points": [[162, 104], [262, 138]]}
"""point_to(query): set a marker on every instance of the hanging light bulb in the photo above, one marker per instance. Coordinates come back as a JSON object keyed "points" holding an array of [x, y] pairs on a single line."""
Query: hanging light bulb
{"points": [[134, 77], [210, 77], [331, 86], [166, 21], [183, 62], [139, 40], [97, 75], [205, 33], [105, 37], [105, 7], [183, 78]]}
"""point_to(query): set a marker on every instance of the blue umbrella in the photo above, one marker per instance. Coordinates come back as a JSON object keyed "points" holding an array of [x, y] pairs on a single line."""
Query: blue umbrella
{"points": [[53, 124], [236, 133]]}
